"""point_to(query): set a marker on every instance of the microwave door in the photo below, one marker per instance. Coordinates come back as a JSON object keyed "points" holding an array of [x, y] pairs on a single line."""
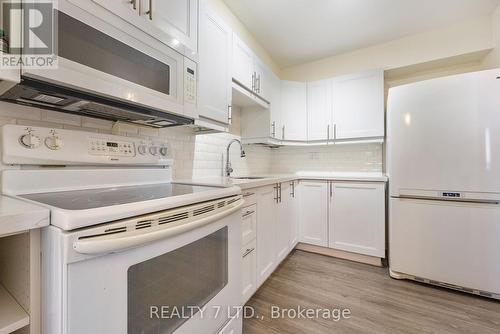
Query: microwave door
{"points": [[104, 61]]}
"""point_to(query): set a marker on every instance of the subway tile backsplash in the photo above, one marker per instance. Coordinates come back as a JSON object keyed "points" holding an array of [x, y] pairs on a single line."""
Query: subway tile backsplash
{"points": [[203, 155]]}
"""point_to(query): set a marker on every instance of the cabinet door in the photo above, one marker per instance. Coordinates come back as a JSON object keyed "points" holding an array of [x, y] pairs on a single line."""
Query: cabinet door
{"points": [[176, 18], [214, 67], [357, 218], [358, 105], [275, 106], [266, 232], [293, 110], [262, 80], [294, 215], [313, 223], [319, 110], [248, 271], [284, 222], [243, 63]]}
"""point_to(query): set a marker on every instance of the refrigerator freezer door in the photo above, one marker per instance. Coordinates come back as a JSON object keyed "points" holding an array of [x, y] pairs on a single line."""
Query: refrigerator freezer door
{"points": [[444, 134], [454, 243]]}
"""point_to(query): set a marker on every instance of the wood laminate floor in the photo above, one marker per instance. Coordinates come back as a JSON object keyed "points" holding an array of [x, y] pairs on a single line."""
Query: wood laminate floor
{"points": [[378, 303]]}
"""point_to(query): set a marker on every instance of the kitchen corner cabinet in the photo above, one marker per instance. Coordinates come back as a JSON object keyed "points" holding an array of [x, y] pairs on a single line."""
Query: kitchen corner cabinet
{"points": [[357, 217], [293, 111], [358, 105], [319, 110], [314, 212], [215, 47], [173, 22]]}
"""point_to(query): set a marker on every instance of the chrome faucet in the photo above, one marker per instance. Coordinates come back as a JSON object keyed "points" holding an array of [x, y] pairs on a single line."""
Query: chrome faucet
{"points": [[229, 169]]}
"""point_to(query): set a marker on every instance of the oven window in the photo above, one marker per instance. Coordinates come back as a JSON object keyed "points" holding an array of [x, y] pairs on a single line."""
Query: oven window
{"points": [[181, 281], [85, 45]]}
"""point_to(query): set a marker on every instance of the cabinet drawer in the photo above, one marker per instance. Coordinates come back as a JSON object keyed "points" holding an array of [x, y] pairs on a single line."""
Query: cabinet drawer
{"points": [[248, 223], [250, 197]]}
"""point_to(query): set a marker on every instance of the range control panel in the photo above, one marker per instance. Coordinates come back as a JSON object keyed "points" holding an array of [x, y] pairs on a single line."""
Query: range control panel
{"points": [[46, 146], [98, 146]]}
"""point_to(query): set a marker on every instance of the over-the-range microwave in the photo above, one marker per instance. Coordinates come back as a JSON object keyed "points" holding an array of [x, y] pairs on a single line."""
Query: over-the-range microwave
{"points": [[106, 73]]}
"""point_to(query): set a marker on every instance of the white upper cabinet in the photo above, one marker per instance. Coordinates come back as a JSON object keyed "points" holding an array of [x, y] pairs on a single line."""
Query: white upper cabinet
{"points": [[357, 218], [293, 111], [358, 105], [319, 110], [275, 106], [313, 222], [215, 47], [177, 18], [249, 71], [173, 22], [243, 63]]}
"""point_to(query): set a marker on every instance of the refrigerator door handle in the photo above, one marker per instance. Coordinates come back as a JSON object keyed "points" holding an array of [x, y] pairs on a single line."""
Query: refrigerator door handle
{"points": [[437, 199]]}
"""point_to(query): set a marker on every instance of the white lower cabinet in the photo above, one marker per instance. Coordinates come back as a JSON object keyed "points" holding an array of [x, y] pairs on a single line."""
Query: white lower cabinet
{"points": [[347, 216], [357, 218], [286, 222], [266, 231], [314, 212], [249, 268]]}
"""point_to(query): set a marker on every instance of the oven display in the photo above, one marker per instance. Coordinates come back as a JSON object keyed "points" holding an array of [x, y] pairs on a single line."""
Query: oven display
{"points": [[110, 144]]}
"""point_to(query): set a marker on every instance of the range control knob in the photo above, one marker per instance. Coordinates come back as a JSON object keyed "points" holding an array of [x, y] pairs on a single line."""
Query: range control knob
{"points": [[29, 140], [53, 142], [142, 149], [163, 151], [153, 150]]}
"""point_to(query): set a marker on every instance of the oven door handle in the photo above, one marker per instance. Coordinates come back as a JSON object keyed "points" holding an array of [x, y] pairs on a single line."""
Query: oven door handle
{"points": [[121, 241]]}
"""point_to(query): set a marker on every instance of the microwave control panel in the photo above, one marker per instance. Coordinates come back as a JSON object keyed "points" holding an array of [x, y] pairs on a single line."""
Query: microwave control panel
{"points": [[190, 82]]}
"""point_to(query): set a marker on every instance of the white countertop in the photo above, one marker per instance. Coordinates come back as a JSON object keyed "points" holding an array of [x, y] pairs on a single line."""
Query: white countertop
{"points": [[271, 179], [17, 216]]}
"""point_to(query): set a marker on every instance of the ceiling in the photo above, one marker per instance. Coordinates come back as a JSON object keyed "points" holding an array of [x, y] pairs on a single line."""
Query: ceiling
{"points": [[299, 31]]}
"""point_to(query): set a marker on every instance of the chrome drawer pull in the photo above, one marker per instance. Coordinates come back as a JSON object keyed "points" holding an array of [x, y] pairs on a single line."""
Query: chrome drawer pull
{"points": [[248, 251], [248, 213]]}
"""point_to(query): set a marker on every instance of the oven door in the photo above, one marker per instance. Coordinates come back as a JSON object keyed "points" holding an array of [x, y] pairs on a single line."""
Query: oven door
{"points": [[97, 58], [185, 282]]}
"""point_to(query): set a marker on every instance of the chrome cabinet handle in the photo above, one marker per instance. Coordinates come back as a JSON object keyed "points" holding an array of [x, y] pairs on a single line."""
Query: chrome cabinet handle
{"points": [[283, 132], [133, 3], [150, 11], [253, 81], [328, 132], [276, 188], [292, 184], [229, 115], [279, 192], [334, 131], [248, 194], [248, 213], [331, 189], [273, 126], [248, 251]]}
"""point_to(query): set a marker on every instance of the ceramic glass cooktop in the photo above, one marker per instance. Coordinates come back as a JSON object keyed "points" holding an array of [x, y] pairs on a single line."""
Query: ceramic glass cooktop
{"points": [[97, 198]]}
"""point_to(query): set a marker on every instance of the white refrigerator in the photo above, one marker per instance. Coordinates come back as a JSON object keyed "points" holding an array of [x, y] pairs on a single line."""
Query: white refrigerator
{"points": [[443, 154]]}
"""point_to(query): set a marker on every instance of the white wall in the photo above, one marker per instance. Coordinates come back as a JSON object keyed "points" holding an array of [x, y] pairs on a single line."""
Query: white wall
{"points": [[461, 38], [338, 158]]}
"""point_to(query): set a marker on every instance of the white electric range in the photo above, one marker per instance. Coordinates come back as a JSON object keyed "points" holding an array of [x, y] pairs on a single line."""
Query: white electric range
{"points": [[128, 251]]}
